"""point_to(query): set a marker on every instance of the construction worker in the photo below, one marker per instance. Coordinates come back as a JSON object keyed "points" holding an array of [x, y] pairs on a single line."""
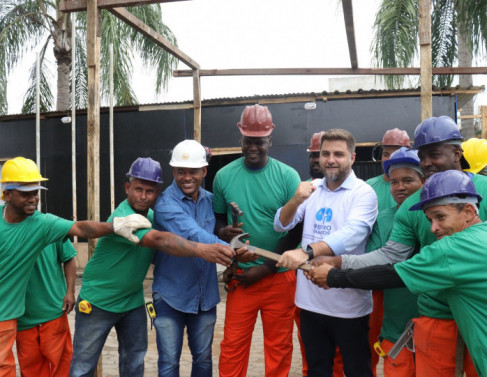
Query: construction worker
{"points": [[400, 305], [314, 156], [438, 141], [44, 346], [338, 213], [113, 279], [451, 270], [185, 290], [391, 142], [24, 233], [259, 185], [475, 151]]}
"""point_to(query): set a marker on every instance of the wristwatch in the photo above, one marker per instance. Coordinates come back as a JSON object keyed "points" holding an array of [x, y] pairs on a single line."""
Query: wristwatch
{"points": [[309, 250]]}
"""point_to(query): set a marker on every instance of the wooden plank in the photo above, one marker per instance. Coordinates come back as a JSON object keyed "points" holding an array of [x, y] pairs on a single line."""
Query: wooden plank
{"points": [[80, 5], [349, 27], [330, 71], [425, 59], [483, 112], [469, 116], [93, 39], [154, 36], [227, 150], [196, 106]]}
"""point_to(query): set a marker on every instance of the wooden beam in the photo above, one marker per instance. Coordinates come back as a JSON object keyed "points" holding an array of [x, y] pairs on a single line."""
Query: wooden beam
{"points": [[153, 35], [196, 106], [80, 5], [93, 39], [425, 58], [329, 71], [483, 112], [348, 16]]}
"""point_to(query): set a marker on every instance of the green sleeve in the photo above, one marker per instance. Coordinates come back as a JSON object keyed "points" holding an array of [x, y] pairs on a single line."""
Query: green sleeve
{"points": [[219, 205]]}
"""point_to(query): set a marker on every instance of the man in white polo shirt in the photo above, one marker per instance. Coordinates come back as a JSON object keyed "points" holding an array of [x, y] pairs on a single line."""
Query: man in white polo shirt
{"points": [[338, 213]]}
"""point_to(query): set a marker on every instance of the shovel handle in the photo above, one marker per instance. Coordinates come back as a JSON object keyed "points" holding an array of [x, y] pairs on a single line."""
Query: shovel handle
{"points": [[273, 256]]}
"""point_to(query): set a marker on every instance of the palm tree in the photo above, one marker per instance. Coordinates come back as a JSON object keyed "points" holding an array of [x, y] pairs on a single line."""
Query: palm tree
{"points": [[458, 29], [27, 25]]}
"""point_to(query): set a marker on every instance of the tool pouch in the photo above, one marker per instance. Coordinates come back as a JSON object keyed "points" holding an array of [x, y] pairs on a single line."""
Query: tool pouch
{"points": [[227, 276]]}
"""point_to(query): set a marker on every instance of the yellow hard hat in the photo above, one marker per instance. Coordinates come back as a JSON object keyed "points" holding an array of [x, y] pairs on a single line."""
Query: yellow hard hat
{"points": [[475, 151], [20, 169]]}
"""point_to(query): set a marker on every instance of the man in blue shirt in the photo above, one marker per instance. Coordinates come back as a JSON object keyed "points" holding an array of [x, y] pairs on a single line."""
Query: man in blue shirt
{"points": [[185, 290]]}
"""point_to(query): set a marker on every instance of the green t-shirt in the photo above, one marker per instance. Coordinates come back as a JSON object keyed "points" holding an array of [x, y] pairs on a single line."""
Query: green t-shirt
{"points": [[413, 228], [113, 278], [259, 194], [400, 305], [20, 245], [382, 189], [454, 269], [47, 286]]}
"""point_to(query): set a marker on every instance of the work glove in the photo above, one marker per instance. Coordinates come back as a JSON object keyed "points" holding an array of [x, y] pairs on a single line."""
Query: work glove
{"points": [[126, 226]]}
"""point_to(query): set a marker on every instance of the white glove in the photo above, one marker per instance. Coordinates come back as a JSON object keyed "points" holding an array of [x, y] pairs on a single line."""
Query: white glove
{"points": [[126, 226]]}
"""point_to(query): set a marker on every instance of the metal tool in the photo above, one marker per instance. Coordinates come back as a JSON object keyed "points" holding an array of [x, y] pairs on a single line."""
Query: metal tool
{"points": [[405, 340], [236, 243], [236, 211]]}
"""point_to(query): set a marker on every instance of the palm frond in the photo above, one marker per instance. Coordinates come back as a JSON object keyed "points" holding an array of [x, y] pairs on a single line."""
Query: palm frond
{"points": [[472, 20], [443, 38], [395, 41], [153, 55], [81, 73], [22, 28], [46, 97]]}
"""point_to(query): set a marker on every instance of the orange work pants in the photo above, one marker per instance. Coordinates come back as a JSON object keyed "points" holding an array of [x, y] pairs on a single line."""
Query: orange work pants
{"points": [[8, 330], [402, 366], [45, 350], [273, 296], [375, 325], [435, 342]]}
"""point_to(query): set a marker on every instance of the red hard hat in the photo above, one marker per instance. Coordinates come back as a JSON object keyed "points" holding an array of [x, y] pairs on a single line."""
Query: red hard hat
{"points": [[315, 142], [256, 121], [396, 137]]}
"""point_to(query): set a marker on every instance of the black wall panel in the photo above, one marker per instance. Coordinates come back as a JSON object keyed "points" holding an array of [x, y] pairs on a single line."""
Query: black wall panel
{"points": [[155, 133]]}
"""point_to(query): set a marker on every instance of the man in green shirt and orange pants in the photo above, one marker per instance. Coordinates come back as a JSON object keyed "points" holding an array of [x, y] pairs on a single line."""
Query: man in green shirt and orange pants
{"points": [[24, 233]]}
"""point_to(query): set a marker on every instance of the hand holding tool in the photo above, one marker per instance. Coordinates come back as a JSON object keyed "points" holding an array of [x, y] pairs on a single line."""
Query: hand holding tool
{"points": [[236, 243]]}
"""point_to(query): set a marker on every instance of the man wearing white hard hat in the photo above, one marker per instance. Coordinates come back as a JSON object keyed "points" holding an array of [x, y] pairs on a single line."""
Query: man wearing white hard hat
{"points": [[185, 290]]}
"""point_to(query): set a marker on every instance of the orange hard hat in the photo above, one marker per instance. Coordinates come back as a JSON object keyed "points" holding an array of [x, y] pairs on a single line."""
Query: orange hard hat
{"points": [[256, 121], [396, 137], [315, 142]]}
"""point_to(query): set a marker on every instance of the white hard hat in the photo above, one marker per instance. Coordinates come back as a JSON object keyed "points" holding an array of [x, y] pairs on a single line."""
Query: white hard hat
{"points": [[188, 154]]}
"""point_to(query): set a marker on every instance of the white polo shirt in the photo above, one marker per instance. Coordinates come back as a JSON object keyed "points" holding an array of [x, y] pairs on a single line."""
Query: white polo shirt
{"points": [[343, 219]]}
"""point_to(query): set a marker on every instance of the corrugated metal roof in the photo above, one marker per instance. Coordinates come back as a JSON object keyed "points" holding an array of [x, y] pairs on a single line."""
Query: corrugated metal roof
{"points": [[463, 95]]}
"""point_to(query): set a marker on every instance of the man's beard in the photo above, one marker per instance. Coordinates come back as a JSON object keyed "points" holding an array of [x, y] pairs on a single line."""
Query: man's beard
{"points": [[334, 177], [315, 173]]}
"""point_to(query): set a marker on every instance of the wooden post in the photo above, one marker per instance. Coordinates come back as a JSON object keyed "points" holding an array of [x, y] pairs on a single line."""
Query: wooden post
{"points": [[425, 54], [197, 105], [483, 112], [93, 17]]}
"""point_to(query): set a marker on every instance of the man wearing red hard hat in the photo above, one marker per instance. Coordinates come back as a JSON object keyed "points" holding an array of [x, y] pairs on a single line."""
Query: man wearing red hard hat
{"points": [[260, 185]]}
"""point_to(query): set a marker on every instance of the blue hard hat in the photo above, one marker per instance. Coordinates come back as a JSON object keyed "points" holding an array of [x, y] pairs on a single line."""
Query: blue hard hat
{"points": [[453, 184], [403, 155], [436, 130], [146, 169]]}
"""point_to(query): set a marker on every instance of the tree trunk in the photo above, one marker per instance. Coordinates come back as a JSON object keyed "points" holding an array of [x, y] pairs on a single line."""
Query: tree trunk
{"points": [[62, 53], [465, 81]]}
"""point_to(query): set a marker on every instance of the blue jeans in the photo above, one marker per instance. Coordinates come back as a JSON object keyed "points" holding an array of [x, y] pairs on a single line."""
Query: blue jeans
{"points": [[170, 324], [91, 331]]}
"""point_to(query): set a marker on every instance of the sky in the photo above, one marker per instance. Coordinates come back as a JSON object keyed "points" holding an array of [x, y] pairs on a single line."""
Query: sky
{"points": [[221, 34]]}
